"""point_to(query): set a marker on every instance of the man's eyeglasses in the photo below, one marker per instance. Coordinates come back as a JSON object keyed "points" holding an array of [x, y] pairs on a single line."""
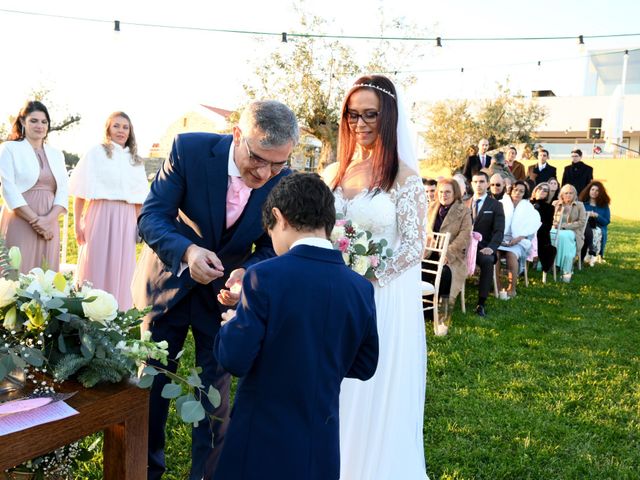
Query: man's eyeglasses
{"points": [[495, 184], [259, 162], [368, 117]]}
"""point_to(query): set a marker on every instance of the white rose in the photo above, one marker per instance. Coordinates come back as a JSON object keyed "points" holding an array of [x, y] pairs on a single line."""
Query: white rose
{"points": [[361, 264], [103, 309], [8, 292], [336, 233]]}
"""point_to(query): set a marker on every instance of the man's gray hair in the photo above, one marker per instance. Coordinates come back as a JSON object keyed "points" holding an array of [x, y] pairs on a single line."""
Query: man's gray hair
{"points": [[270, 122]]}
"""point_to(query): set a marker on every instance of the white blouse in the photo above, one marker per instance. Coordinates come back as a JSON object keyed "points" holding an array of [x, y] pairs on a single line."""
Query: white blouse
{"points": [[20, 169], [98, 177]]}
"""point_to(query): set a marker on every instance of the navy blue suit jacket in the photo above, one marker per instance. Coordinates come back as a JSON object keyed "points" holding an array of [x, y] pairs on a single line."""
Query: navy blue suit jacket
{"points": [[187, 204], [305, 322]]}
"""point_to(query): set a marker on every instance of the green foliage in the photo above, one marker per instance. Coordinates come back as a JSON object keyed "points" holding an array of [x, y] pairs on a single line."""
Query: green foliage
{"points": [[455, 125], [70, 159], [311, 75]]}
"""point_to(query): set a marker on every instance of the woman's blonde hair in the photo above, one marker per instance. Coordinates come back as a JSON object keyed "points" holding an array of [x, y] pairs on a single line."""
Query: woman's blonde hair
{"points": [[131, 141]]}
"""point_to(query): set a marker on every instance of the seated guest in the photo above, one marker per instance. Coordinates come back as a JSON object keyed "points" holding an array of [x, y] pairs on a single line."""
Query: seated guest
{"points": [[488, 220], [498, 166], [515, 167], [568, 229], [546, 250], [465, 188], [596, 203], [449, 214], [521, 222], [578, 173], [497, 186], [430, 189], [554, 190]]}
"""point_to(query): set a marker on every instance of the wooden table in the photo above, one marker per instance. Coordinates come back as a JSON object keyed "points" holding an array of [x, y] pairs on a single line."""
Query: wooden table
{"points": [[121, 410]]}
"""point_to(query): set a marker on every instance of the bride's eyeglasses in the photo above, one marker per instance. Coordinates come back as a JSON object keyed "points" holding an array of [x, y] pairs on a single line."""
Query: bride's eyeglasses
{"points": [[369, 117]]}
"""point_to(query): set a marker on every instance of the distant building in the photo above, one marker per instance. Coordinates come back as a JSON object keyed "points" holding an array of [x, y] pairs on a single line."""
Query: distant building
{"points": [[203, 118], [600, 106]]}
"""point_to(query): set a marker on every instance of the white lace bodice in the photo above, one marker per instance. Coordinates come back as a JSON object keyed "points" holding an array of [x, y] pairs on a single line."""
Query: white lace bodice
{"points": [[399, 216]]}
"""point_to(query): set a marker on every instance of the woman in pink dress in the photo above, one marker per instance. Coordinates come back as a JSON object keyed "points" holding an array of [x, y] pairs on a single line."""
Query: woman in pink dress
{"points": [[34, 188], [111, 180]]}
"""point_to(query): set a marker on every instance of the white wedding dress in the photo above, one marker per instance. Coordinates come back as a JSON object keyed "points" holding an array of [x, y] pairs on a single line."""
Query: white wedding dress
{"points": [[381, 420]]}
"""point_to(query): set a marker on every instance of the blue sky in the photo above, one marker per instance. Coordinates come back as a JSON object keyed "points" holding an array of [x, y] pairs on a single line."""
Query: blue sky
{"points": [[157, 74]]}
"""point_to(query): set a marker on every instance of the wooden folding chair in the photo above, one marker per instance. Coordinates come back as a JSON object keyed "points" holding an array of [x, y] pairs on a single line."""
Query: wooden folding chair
{"points": [[437, 243]]}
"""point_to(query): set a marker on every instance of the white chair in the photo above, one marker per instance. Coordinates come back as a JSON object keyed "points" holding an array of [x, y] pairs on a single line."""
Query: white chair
{"points": [[438, 243]]}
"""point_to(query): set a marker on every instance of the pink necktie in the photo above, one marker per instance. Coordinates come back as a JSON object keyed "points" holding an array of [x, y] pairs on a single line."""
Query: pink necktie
{"points": [[237, 197]]}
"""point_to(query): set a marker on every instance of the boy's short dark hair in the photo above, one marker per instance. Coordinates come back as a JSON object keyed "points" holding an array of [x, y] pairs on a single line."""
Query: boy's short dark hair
{"points": [[304, 200]]}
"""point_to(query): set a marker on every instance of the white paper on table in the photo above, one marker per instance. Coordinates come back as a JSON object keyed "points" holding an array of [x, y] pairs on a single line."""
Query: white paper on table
{"points": [[23, 420]]}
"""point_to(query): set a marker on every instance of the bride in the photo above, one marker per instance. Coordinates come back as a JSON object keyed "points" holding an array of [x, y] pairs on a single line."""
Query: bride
{"points": [[376, 186]]}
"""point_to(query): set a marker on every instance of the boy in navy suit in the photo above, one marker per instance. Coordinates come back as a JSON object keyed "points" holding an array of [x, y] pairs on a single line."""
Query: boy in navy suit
{"points": [[305, 321]]}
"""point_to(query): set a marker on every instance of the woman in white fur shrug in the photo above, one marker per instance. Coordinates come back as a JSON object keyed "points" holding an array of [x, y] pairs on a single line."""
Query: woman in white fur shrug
{"points": [[110, 181], [34, 189]]}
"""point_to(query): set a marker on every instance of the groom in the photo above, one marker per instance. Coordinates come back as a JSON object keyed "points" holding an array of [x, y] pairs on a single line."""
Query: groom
{"points": [[202, 226]]}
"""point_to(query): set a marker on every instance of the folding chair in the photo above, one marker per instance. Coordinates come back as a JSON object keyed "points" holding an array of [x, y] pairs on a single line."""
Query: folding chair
{"points": [[438, 243]]}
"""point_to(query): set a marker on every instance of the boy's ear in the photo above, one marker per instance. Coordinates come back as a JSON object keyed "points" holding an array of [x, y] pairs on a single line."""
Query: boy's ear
{"points": [[280, 218]]}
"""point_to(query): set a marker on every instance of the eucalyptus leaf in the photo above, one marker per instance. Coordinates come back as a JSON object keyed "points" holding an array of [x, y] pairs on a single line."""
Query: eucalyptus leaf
{"points": [[214, 396], [87, 346], [194, 379], [33, 356], [149, 370], [359, 249], [184, 398], [54, 303], [145, 381], [62, 346], [389, 252], [171, 390], [192, 411], [18, 362]]}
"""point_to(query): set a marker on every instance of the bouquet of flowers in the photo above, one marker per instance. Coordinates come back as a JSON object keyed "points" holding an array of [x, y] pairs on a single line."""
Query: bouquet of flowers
{"points": [[50, 326], [359, 251]]}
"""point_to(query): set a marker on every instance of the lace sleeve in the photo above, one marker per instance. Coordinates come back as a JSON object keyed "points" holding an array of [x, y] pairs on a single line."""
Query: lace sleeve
{"points": [[411, 213]]}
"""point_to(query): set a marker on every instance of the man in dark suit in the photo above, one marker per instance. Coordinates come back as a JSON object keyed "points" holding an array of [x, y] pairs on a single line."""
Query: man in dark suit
{"points": [[202, 225], [305, 322], [542, 171], [578, 174], [488, 220], [475, 163]]}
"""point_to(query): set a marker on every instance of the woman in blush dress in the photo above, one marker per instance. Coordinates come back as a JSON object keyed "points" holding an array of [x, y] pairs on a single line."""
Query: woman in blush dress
{"points": [[112, 180], [34, 188], [376, 185]]}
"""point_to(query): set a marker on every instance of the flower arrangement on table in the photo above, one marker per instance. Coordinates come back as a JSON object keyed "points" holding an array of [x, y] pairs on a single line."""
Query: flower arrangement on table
{"points": [[360, 252], [53, 330]]}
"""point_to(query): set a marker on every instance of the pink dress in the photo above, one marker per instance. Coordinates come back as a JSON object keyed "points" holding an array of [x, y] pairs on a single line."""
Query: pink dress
{"points": [[108, 258], [35, 250]]}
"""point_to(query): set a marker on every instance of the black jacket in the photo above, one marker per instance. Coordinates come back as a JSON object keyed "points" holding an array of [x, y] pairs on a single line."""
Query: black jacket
{"points": [[578, 174]]}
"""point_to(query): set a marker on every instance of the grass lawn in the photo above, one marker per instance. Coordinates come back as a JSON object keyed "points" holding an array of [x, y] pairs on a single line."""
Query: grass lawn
{"points": [[546, 386]]}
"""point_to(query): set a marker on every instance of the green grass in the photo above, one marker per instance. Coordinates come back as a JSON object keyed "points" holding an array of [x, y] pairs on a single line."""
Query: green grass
{"points": [[546, 386]]}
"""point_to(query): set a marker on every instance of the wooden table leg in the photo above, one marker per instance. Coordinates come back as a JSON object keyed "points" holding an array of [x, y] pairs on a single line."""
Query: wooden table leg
{"points": [[125, 448]]}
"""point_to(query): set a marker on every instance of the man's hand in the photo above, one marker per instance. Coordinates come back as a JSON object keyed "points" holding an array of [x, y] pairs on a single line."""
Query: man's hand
{"points": [[204, 265], [234, 283], [227, 316], [486, 251]]}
